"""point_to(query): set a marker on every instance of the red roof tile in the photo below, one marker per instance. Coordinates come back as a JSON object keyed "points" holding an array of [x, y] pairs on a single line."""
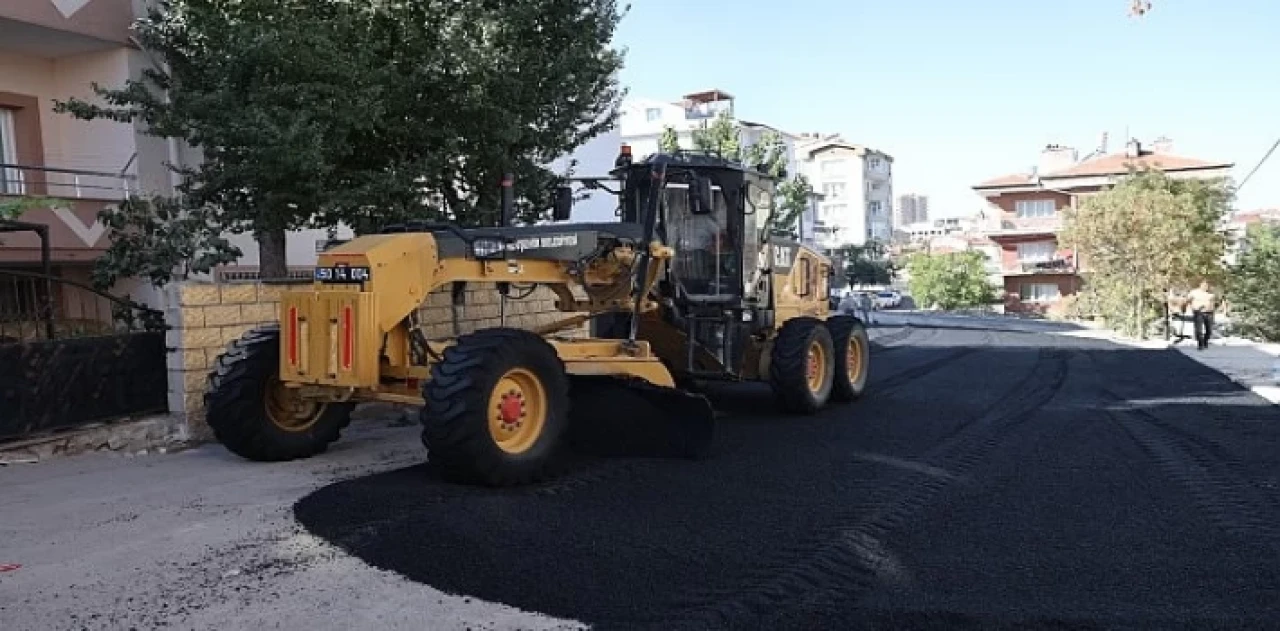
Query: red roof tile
{"points": [[1111, 164], [1119, 163]]}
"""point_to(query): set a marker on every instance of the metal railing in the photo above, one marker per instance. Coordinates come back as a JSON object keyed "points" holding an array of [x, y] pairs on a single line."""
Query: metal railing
{"points": [[18, 179], [1050, 265], [41, 307]]}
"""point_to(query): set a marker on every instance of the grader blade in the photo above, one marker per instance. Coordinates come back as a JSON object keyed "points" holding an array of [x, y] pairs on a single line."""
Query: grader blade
{"points": [[628, 417]]}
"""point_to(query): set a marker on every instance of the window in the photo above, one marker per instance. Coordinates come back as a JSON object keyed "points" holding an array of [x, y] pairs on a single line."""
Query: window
{"points": [[832, 211], [833, 190], [9, 178], [874, 164], [653, 113], [1037, 251], [874, 207], [833, 167], [1039, 292], [1032, 208]]}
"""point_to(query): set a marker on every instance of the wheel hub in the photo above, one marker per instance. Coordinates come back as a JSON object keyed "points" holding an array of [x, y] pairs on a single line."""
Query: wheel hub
{"points": [[511, 408], [518, 410]]}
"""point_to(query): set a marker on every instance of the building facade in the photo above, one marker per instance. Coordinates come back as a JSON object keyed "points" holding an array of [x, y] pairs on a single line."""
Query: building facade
{"points": [[911, 209], [856, 183], [53, 50], [1026, 211]]}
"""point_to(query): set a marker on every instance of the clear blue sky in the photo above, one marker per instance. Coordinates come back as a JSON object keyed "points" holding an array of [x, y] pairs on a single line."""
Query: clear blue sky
{"points": [[959, 91]]}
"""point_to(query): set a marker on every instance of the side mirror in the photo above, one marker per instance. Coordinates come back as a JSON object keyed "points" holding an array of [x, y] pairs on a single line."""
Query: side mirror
{"points": [[563, 203], [701, 200]]}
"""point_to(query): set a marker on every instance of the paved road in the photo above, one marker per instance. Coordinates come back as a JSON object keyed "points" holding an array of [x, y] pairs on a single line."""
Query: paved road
{"points": [[991, 479]]}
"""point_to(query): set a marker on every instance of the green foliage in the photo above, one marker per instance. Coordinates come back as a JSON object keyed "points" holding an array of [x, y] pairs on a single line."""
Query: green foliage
{"points": [[954, 280], [867, 265], [723, 138], [1147, 235], [314, 112], [1254, 287], [13, 208], [669, 142], [160, 239]]}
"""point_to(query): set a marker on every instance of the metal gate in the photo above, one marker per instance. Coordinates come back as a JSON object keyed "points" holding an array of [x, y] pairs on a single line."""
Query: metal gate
{"points": [[71, 355]]}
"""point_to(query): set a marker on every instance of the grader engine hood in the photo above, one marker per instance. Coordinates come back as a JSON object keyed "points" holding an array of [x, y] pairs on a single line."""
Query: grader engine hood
{"points": [[332, 331]]}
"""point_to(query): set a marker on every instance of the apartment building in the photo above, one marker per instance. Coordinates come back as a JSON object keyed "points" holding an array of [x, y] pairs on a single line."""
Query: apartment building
{"points": [[1026, 213], [52, 50], [856, 183], [911, 209]]}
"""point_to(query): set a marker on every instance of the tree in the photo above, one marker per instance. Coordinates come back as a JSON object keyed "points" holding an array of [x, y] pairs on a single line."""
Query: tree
{"points": [[867, 265], [1144, 237], [159, 240], [1253, 290], [953, 280], [669, 142], [723, 137], [308, 113]]}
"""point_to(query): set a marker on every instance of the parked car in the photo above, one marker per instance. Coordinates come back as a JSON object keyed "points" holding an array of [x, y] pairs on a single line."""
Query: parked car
{"points": [[888, 299]]}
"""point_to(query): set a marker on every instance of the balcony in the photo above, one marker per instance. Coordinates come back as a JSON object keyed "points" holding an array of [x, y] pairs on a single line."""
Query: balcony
{"points": [[1057, 265], [19, 180], [76, 198], [1028, 226]]}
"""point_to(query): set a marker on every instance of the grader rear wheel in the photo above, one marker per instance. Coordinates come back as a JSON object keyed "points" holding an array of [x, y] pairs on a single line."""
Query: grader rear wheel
{"points": [[255, 416], [802, 365], [853, 357], [496, 409]]}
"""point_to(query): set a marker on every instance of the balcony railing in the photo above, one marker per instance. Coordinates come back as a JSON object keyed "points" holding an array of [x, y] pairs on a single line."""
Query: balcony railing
{"points": [[17, 179], [1029, 225], [1056, 265]]}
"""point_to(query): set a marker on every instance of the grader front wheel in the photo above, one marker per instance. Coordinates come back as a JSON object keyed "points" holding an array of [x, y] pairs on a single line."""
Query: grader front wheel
{"points": [[496, 409], [255, 416], [802, 365]]}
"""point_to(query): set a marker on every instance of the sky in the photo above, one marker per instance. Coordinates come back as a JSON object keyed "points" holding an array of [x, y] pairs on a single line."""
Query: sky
{"points": [[960, 92]]}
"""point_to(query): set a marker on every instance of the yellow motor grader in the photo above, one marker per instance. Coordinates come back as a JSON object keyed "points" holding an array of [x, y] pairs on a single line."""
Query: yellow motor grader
{"points": [[689, 286]]}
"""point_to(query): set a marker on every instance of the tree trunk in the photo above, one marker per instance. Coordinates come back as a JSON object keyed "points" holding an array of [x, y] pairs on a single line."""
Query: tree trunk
{"points": [[272, 257]]}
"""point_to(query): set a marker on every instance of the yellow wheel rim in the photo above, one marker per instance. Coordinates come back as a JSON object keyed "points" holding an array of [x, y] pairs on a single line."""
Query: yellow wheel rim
{"points": [[817, 373], [289, 411], [857, 355], [517, 411]]}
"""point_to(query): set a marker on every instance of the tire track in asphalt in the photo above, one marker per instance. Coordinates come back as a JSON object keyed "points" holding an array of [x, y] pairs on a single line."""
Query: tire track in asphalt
{"points": [[908, 375], [1208, 472], [849, 558]]}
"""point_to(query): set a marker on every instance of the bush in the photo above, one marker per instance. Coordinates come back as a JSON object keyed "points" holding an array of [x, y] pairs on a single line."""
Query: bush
{"points": [[1254, 285]]}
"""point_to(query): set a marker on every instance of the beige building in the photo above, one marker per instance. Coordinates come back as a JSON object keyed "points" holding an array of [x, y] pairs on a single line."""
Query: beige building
{"points": [[52, 50]]}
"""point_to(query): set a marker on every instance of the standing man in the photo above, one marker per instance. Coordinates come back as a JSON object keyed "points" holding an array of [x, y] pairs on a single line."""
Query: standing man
{"points": [[1203, 304]]}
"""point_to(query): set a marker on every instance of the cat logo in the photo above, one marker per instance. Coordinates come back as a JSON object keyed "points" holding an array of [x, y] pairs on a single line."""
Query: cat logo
{"points": [[782, 257]]}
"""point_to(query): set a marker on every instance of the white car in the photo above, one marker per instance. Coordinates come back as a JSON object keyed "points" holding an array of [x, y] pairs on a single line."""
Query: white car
{"points": [[887, 299]]}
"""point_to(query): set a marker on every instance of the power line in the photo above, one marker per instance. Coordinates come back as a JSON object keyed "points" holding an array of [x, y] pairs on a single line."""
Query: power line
{"points": [[1260, 163]]}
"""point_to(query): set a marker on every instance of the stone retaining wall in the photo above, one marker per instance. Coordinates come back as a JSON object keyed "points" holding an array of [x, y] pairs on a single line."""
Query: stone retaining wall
{"points": [[205, 317]]}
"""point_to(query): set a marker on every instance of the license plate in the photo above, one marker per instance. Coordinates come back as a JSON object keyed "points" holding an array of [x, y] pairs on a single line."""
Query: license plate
{"points": [[342, 274]]}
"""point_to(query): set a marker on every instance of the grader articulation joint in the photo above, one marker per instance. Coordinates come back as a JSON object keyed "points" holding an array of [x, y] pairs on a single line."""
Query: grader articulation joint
{"points": [[690, 285]]}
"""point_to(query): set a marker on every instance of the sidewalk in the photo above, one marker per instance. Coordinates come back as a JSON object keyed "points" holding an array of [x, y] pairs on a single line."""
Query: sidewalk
{"points": [[1244, 362]]}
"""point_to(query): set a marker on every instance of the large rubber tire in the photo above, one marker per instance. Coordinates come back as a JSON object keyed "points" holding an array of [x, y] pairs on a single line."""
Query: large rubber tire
{"points": [[236, 404], [789, 365], [852, 357], [456, 417]]}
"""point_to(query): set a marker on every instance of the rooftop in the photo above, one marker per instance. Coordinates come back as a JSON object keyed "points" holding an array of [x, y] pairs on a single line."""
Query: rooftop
{"points": [[1110, 164]]}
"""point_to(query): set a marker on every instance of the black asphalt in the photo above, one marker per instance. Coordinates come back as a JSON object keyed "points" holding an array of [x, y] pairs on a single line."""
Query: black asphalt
{"points": [[988, 480]]}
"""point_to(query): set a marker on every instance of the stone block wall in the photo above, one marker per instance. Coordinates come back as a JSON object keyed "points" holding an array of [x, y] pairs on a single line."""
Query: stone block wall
{"points": [[206, 317]]}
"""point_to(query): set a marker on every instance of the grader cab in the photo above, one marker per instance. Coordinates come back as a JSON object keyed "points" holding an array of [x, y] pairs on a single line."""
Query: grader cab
{"points": [[688, 286]]}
